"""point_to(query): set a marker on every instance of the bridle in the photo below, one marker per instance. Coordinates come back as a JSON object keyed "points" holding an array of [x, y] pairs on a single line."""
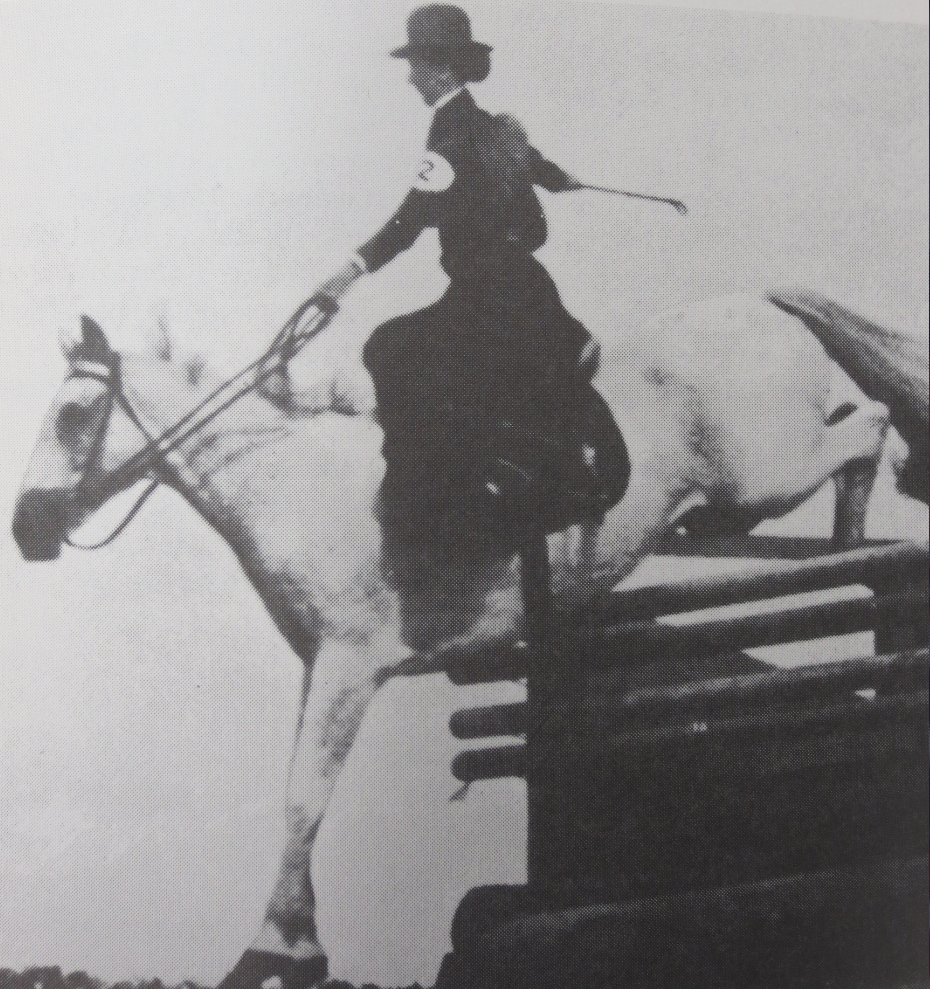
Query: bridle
{"points": [[107, 373], [153, 455]]}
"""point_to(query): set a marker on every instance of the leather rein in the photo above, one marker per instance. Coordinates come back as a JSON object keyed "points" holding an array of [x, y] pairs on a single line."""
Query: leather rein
{"points": [[290, 339]]}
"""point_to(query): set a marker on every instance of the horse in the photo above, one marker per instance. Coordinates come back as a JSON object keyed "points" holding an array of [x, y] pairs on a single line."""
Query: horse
{"points": [[725, 407]]}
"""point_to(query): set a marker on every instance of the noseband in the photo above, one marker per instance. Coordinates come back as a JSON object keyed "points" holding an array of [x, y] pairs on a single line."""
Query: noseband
{"points": [[153, 454]]}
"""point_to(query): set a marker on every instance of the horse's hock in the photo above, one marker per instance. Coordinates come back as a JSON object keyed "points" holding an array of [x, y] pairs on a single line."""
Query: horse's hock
{"points": [[699, 818]]}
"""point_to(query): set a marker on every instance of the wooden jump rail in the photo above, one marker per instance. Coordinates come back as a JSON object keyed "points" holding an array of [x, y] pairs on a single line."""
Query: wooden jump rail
{"points": [[894, 563], [646, 707], [612, 630], [662, 761]]}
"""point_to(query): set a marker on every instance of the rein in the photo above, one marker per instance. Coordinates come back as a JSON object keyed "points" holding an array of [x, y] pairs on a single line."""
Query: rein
{"points": [[289, 340]]}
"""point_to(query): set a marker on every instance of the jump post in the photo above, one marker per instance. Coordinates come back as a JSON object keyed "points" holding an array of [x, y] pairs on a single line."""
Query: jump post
{"points": [[697, 817]]}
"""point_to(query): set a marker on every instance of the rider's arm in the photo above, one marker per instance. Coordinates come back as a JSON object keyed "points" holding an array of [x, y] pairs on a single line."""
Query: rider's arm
{"points": [[398, 233], [548, 175], [338, 284], [395, 236], [429, 200], [423, 207]]}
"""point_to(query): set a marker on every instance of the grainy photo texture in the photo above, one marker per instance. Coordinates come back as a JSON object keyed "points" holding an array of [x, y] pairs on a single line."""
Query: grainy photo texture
{"points": [[466, 479]]}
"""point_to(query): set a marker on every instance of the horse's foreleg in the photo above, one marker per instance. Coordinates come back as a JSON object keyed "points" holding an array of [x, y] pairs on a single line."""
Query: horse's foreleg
{"points": [[335, 697]]}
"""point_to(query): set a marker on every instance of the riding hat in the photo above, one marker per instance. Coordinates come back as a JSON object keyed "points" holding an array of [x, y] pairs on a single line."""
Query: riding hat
{"points": [[441, 33]]}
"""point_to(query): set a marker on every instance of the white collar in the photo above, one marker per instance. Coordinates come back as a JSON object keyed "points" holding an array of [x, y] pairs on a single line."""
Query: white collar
{"points": [[448, 98]]}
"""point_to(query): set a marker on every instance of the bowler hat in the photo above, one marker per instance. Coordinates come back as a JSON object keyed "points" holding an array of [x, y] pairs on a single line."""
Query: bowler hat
{"points": [[441, 33]]}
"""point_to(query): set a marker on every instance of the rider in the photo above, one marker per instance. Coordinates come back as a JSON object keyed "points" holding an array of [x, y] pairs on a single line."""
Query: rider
{"points": [[499, 339]]}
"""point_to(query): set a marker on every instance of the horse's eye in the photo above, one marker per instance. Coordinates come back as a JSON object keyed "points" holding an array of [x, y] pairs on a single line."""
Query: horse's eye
{"points": [[73, 420]]}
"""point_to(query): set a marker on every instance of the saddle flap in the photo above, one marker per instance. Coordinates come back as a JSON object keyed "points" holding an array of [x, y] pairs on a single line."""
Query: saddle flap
{"points": [[569, 475]]}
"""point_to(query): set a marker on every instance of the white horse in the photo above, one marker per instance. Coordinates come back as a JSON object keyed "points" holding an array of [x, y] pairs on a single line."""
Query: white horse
{"points": [[725, 405]]}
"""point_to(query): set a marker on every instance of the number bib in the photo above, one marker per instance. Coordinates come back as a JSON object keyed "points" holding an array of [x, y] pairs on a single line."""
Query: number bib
{"points": [[434, 173]]}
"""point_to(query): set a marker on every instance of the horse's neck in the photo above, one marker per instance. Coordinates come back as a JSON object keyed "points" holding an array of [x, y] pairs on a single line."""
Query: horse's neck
{"points": [[253, 470]]}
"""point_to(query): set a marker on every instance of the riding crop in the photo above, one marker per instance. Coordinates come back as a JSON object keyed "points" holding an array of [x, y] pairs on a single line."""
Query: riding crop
{"points": [[677, 203]]}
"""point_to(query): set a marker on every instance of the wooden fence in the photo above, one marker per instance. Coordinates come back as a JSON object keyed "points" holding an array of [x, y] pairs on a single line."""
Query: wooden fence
{"points": [[697, 817]]}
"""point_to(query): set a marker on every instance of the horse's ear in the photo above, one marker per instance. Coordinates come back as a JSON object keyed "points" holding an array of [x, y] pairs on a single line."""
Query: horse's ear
{"points": [[94, 344], [90, 345], [158, 340]]}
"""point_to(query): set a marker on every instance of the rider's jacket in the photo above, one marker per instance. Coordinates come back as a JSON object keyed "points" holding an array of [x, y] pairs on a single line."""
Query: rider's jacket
{"points": [[475, 185]]}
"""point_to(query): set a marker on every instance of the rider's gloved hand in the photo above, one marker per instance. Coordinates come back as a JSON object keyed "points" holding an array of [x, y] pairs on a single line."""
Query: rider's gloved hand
{"points": [[334, 288], [275, 381]]}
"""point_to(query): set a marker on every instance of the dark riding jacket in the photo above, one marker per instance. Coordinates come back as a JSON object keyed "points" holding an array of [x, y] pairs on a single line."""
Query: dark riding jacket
{"points": [[498, 345], [481, 206]]}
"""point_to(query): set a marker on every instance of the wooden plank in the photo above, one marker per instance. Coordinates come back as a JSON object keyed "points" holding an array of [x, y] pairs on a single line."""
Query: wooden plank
{"points": [[638, 642], [758, 547], [702, 698], [892, 565], [498, 762], [543, 688], [899, 722], [715, 738], [806, 685], [488, 721], [863, 927], [643, 642]]}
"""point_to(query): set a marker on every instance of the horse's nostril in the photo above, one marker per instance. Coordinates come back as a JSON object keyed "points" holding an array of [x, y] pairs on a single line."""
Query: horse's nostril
{"points": [[38, 525]]}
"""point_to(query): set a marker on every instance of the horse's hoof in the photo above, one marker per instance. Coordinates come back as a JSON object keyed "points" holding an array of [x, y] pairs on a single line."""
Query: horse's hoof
{"points": [[270, 970]]}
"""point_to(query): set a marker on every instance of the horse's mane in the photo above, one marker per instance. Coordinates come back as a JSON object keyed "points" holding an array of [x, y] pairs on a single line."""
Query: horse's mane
{"points": [[342, 386], [336, 383]]}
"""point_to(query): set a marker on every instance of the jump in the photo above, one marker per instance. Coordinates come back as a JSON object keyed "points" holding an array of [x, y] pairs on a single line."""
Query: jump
{"points": [[378, 538]]}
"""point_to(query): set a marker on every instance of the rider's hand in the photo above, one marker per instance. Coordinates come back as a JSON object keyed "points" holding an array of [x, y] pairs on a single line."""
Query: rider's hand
{"points": [[340, 283]]}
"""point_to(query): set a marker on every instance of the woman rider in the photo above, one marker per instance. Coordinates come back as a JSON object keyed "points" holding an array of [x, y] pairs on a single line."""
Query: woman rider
{"points": [[498, 343]]}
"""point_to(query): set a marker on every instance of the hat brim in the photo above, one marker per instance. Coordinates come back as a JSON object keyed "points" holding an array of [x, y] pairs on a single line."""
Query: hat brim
{"points": [[405, 51]]}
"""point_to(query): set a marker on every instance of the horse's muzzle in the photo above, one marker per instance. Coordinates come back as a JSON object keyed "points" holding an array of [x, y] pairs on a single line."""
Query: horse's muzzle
{"points": [[39, 522]]}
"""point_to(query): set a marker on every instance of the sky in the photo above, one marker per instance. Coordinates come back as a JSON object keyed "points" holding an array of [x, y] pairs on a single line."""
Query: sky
{"points": [[213, 162]]}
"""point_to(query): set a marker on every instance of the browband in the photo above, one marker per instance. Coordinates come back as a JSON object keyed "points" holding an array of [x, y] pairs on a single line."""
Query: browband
{"points": [[97, 370]]}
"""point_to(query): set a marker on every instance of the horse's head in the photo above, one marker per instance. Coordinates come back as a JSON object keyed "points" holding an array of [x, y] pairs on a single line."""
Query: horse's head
{"points": [[84, 439], [120, 418]]}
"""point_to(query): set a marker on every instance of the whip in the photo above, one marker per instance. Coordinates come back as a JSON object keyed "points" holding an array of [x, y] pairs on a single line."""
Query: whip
{"points": [[677, 203]]}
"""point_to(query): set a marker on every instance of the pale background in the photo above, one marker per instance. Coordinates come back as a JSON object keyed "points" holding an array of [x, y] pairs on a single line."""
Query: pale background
{"points": [[214, 161]]}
